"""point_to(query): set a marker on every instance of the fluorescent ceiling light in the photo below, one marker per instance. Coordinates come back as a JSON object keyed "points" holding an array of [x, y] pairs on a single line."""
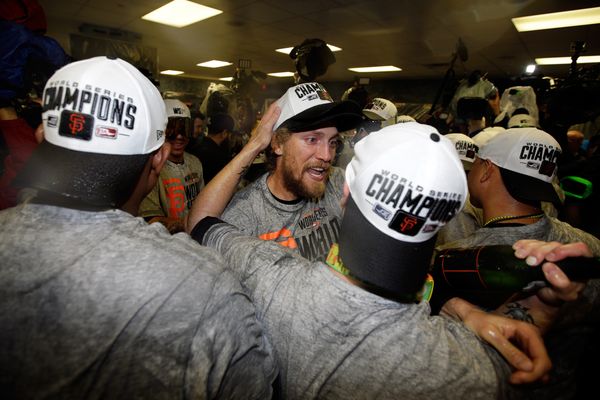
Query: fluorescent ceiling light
{"points": [[287, 50], [567, 60], [180, 13], [214, 64], [530, 69], [171, 72], [281, 74], [586, 16], [383, 68], [226, 78]]}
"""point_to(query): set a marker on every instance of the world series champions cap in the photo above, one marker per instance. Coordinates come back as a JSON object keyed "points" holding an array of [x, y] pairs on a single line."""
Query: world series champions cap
{"points": [[380, 109], [527, 158], [102, 118], [465, 147], [309, 106], [406, 182], [177, 109], [105, 106]]}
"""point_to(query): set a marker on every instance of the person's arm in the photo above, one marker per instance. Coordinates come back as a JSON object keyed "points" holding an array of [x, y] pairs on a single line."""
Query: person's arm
{"points": [[543, 306], [520, 343], [540, 308], [213, 199]]}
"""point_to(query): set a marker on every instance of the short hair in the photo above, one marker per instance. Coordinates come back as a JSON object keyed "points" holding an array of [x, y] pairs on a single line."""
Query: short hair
{"points": [[281, 136]]}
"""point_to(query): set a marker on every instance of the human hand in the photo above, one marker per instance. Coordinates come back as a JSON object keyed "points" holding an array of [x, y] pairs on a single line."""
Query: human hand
{"points": [[520, 343], [561, 288], [261, 135]]}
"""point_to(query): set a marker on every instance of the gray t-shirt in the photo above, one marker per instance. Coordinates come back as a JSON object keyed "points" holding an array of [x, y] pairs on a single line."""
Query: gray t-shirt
{"points": [[102, 305], [309, 226], [547, 229], [334, 340]]}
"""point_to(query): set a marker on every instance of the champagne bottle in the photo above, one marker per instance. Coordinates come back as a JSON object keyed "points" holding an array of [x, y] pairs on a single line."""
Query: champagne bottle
{"points": [[495, 268]]}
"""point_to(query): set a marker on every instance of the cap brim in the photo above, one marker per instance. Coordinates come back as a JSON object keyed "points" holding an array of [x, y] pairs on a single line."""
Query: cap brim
{"points": [[523, 187], [344, 115], [79, 174], [380, 260]]}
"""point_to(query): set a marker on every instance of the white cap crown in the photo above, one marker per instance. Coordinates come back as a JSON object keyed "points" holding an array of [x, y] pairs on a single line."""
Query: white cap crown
{"points": [[105, 106]]}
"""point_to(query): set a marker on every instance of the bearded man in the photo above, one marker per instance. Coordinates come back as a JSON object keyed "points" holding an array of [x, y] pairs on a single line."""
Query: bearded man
{"points": [[297, 202]]}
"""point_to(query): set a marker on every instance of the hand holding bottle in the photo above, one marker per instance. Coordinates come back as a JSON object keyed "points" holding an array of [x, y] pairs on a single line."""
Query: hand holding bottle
{"points": [[561, 288]]}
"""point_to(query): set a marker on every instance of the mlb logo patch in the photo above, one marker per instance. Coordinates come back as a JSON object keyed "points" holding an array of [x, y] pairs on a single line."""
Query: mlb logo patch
{"points": [[52, 121], [406, 224], [76, 125], [382, 212], [107, 132]]}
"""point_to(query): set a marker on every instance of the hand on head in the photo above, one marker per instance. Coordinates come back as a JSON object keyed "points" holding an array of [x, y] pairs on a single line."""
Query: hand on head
{"points": [[261, 135]]}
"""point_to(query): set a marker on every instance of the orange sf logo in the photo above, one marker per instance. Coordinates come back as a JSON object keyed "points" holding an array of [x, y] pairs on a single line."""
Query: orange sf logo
{"points": [[408, 223], [76, 123]]}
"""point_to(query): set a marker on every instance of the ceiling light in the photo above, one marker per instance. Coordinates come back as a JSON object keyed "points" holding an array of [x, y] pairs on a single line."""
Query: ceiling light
{"points": [[226, 78], [281, 74], [214, 64], [180, 13], [567, 60], [171, 72], [586, 16], [530, 69], [383, 68], [287, 50]]}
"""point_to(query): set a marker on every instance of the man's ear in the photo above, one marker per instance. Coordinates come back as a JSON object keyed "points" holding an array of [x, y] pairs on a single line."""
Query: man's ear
{"points": [[488, 170], [276, 146]]}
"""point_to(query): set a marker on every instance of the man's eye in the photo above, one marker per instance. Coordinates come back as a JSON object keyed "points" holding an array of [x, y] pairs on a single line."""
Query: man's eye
{"points": [[311, 140]]}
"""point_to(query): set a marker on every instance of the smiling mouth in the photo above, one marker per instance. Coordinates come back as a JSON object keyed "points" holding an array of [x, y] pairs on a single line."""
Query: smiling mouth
{"points": [[318, 173]]}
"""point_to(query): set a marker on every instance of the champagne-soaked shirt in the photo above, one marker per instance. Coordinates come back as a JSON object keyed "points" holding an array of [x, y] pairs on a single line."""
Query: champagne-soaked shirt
{"points": [[334, 340], [309, 226], [176, 189], [101, 305]]}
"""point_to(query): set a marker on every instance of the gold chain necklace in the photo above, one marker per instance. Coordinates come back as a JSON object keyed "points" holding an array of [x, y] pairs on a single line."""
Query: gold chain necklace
{"points": [[512, 217]]}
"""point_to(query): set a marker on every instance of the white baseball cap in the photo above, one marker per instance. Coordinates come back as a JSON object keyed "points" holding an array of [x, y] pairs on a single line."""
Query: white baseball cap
{"points": [[486, 135], [522, 121], [400, 119], [466, 148], [527, 158], [380, 109], [406, 182], [308, 106], [88, 112], [176, 109]]}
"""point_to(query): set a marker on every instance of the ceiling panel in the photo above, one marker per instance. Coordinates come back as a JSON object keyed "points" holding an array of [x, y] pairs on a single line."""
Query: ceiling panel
{"points": [[418, 36]]}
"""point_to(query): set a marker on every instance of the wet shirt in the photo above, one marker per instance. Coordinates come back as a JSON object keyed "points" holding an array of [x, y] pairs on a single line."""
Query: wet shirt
{"points": [[309, 226]]}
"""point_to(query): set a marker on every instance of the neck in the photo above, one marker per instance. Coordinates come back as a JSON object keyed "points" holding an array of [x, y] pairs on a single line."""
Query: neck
{"points": [[59, 200], [512, 210], [278, 189], [176, 159], [217, 138]]}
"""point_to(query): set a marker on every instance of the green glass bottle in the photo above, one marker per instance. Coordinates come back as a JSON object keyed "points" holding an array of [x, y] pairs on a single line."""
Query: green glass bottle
{"points": [[495, 268]]}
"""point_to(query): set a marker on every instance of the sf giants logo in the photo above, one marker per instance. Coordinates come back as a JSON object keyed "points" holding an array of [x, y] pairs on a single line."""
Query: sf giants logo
{"points": [[408, 223], [76, 123], [175, 197]]}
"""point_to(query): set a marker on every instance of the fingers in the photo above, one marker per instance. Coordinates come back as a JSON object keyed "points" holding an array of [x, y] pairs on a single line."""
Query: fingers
{"points": [[512, 354], [530, 341], [535, 251], [270, 118]]}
